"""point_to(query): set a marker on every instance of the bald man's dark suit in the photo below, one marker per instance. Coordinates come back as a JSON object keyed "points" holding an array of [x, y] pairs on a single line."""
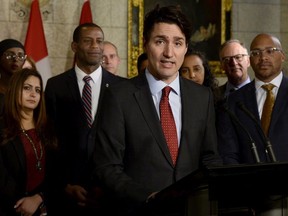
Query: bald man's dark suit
{"points": [[234, 143], [131, 155], [76, 139]]}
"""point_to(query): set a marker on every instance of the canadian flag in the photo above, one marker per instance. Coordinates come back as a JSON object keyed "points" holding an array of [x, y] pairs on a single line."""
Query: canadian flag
{"points": [[86, 14], [35, 43], [85, 17]]}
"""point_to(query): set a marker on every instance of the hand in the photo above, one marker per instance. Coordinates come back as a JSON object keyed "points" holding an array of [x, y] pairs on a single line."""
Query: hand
{"points": [[78, 193], [151, 197], [94, 197], [27, 206]]}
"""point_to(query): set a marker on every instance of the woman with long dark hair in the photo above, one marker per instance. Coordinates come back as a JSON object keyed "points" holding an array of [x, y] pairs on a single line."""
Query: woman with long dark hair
{"points": [[25, 141], [196, 68]]}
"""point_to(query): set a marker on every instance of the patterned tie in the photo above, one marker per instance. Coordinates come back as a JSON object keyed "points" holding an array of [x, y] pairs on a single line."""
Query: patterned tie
{"points": [[268, 107], [168, 124], [87, 101]]}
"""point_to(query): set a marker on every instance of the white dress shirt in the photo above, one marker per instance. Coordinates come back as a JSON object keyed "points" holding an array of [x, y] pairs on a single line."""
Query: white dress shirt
{"points": [[156, 87], [261, 93], [95, 85]]}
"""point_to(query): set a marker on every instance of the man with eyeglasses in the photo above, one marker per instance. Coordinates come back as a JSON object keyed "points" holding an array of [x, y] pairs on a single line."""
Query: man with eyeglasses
{"points": [[250, 105], [235, 62], [12, 58]]}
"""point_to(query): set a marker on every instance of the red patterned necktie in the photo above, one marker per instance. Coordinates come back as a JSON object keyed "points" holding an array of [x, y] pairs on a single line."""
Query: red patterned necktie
{"points": [[168, 124], [87, 101], [267, 107]]}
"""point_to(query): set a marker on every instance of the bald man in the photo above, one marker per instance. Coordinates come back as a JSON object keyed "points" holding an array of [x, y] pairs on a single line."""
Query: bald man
{"points": [[266, 58]]}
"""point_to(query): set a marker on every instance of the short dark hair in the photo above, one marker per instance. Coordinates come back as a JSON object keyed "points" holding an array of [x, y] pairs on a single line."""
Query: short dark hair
{"points": [[142, 57], [10, 43], [168, 14], [77, 31]]}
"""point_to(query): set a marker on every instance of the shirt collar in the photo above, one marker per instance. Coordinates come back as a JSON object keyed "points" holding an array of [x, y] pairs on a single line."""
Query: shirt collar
{"points": [[276, 81], [157, 85], [95, 75], [231, 86]]}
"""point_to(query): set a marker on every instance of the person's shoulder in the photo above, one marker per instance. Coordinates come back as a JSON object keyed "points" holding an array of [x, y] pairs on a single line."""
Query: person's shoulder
{"points": [[129, 86], [285, 79], [107, 76], [62, 76], [223, 87], [189, 84], [239, 95]]}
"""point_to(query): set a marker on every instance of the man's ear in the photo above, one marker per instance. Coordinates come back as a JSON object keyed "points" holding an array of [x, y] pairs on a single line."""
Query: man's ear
{"points": [[74, 46], [283, 56]]}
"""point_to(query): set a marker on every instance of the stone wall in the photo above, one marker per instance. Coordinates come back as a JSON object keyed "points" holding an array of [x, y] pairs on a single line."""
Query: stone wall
{"points": [[60, 17], [251, 17]]}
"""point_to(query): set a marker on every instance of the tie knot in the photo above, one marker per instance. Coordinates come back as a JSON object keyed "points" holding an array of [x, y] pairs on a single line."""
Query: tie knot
{"points": [[268, 87], [166, 91], [87, 79]]}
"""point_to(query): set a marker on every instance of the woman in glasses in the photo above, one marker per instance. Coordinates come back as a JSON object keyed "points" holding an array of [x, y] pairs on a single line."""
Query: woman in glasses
{"points": [[12, 58]]}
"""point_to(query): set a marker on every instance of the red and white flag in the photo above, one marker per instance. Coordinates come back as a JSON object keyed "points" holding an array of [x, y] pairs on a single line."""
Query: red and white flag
{"points": [[86, 14], [85, 17], [35, 43]]}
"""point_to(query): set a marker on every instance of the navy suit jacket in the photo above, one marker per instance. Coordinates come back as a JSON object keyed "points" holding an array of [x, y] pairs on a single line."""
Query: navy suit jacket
{"points": [[131, 155], [76, 139], [234, 142]]}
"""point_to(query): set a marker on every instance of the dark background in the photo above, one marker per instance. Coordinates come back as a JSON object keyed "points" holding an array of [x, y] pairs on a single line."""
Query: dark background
{"points": [[200, 13]]}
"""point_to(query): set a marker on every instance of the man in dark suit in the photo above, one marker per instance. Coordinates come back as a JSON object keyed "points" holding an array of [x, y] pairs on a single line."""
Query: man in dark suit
{"points": [[132, 155], [247, 105], [235, 62], [266, 57], [65, 107]]}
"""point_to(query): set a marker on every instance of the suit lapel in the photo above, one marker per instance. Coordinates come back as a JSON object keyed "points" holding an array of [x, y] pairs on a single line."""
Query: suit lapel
{"points": [[18, 146], [105, 83], [250, 100], [188, 112], [281, 102], [186, 99], [73, 87], [147, 107], [107, 80]]}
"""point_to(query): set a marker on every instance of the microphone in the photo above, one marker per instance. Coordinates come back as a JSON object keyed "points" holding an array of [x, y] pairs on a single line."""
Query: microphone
{"points": [[252, 142], [266, 140]]}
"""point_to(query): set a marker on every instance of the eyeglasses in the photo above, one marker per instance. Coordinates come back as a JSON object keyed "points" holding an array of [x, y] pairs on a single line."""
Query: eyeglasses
{"points": [[238, 58], [269, 51], [13, 56]]}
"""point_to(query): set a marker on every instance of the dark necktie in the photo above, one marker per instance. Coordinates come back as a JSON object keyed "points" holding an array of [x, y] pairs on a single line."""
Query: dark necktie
{"points": [[267, 107], [168, 124], [87, 101]]}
